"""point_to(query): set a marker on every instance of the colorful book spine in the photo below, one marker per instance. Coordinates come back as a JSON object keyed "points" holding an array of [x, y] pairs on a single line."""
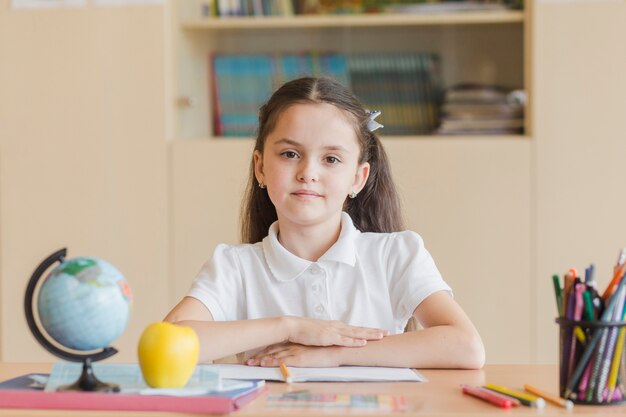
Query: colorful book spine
{"points": [[402, 86]]}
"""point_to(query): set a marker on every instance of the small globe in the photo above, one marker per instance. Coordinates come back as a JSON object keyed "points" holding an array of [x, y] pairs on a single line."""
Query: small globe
{"points": [[84, 303]]}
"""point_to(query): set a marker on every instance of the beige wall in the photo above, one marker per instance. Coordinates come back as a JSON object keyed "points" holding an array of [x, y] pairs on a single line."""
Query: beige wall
{"points": [[84, 163], [82, 155], [578, 149]]}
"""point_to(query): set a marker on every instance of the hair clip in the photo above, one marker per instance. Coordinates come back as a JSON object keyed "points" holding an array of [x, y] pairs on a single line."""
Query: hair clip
{"points": [[372, 124]]}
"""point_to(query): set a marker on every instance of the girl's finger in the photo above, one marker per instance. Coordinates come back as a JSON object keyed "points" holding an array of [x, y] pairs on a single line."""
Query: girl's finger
{"points": [[363, 333], [351, 342]]}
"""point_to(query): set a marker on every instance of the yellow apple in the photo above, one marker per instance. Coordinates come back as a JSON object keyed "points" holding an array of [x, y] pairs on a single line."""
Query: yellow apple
{"points": [[168, 354]]}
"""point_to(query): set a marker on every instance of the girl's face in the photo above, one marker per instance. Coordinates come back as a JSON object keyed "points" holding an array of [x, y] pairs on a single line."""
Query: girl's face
{"points": [[310, 164]]}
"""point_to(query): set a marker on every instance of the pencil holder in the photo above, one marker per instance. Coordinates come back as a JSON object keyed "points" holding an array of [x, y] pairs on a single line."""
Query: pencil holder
{"points": [[592, 361]]}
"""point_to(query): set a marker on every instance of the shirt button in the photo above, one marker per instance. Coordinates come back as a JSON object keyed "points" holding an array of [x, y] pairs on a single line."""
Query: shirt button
{"points": [[319, 309], [315, 269], [315, 288]]}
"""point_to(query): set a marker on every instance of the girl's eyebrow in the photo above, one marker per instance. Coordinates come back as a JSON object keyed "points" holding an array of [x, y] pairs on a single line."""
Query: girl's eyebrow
{"points": [[287, 141]]}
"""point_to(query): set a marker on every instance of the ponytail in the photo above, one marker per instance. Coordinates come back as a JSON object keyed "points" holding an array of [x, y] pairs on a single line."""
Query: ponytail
{"points": [[377, 207]]}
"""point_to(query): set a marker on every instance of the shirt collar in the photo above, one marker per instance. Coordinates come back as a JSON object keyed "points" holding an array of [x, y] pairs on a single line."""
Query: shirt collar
{"points": [[286, 266]]}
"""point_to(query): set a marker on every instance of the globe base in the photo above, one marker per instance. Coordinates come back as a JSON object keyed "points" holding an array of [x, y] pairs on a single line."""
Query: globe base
{"points": [[89, 382]]}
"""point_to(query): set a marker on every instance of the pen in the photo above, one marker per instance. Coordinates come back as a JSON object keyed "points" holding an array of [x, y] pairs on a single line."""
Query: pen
{"points": [[589, 314], [286, 374], [526, 399], [490, 396], [557, 293], [617, 277], [567, 404]]}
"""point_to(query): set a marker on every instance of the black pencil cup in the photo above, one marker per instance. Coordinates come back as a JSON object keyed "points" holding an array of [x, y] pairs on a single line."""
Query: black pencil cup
{"points": [[592, 361]]}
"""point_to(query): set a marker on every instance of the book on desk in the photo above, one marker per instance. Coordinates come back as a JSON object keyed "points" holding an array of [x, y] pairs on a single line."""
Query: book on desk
{"points": [[29, 391]]}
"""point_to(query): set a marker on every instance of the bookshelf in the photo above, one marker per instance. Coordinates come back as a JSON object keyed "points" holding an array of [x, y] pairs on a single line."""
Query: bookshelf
{"points": [[486, 47]]}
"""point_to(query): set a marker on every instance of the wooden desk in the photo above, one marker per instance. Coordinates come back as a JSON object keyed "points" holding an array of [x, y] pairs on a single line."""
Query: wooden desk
{"points": [[441, 396]]}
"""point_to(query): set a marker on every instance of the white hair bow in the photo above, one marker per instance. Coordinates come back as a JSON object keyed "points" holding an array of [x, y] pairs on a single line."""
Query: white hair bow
{"points": [[372, 124]]}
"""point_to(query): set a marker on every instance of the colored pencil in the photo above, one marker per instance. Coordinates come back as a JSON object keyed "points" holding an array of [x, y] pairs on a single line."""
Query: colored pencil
{"points": [[286, 374], [491, 397], [567, 404], [526, 399]]}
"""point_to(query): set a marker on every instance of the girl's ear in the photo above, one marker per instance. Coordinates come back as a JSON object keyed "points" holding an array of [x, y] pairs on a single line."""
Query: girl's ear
{"points": [[258, 166], [360, 178]]}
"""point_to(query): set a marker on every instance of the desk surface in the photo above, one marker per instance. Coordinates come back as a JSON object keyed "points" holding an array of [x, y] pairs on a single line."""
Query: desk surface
{"points": [[441, 396]]}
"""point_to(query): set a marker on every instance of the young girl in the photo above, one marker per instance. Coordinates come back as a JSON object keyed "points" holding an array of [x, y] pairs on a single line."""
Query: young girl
{"points": [[326, 276]]}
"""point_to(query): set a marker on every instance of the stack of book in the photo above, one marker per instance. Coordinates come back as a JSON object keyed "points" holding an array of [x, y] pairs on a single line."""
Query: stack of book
{"points": [[405, 87], [243, 83], [470, 109], [226, 8]]}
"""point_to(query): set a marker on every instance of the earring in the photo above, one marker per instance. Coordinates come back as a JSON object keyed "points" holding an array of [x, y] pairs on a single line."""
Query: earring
{"points": [[353, 194], [261, 185]]}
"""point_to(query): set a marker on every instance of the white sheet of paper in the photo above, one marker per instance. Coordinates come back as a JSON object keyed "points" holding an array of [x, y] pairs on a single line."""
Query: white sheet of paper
{"points": [[124, 2], [338, 374], [46, 4]]}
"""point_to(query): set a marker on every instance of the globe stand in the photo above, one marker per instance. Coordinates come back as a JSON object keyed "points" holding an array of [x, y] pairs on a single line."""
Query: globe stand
{"points": [[87, 380]]}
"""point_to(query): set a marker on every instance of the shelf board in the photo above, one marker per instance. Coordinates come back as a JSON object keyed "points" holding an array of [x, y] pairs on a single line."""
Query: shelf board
{"points": [[439, 138], [366, 20]]}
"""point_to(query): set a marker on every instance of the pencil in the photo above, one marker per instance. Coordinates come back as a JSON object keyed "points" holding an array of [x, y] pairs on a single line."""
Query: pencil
{"points": [[616, 361], [286, 374], [567, 404], [491, 397], [526, 399]]}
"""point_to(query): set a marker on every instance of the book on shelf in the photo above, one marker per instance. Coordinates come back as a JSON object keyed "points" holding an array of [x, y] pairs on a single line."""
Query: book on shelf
{"points": [[242, 83], [230, 8], [482, 109], [422, 7], [206, 393], [405, 87]]}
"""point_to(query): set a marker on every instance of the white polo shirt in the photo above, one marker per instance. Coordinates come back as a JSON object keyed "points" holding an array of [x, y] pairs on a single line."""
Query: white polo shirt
{"points": [[364, 279]]}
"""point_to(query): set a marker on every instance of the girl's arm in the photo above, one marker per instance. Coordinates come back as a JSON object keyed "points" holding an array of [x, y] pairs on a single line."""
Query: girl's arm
{"points": [[225, 338], [448, 340]]}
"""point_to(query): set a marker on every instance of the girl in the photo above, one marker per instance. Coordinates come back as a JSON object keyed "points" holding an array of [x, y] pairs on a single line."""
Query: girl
{"points": [[326, 276]]}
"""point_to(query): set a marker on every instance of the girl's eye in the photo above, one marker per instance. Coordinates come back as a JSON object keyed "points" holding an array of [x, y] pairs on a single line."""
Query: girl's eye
{"points": [[289, 154], [332, 160]]}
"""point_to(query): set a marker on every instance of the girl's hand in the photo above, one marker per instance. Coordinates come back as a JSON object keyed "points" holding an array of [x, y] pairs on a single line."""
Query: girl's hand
{"points": [[292, 354], [313, 332]]}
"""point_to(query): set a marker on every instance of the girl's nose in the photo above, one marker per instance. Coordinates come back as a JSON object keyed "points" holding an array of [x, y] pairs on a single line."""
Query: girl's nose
{"points": [[307, 172]]}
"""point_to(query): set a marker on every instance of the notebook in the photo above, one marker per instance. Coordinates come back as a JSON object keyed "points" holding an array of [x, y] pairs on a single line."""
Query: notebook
{"points": [[27, 391], [336, 374]]}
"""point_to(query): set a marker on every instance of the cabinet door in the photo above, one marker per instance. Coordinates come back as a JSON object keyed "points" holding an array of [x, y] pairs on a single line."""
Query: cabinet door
{"points": [[470, 200]]}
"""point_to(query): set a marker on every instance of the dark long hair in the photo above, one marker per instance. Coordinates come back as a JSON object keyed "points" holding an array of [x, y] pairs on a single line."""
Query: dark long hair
{"points": [[375, 209]]}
